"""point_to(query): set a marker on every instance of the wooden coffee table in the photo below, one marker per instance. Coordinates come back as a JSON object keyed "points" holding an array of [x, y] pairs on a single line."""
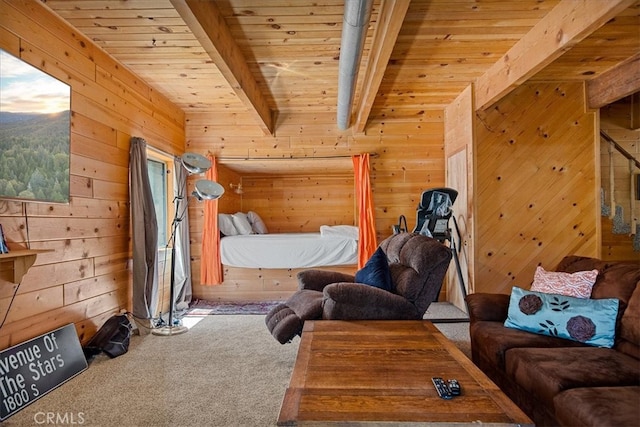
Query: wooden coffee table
{"points": [[379, 372]]}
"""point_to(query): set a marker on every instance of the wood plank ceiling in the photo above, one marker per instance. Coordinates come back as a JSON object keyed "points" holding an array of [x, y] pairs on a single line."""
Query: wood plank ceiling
{"points": [[278, 56]]}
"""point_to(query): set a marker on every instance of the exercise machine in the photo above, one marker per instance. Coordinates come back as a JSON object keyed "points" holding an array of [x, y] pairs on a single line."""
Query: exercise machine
{"points": [[432, 219]]}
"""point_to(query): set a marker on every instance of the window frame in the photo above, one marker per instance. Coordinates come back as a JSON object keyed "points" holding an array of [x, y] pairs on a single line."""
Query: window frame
{"points": [[168, 161]]}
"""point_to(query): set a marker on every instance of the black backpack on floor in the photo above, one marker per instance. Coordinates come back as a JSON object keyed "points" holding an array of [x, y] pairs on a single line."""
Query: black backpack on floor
{"points": [[112, 338]]}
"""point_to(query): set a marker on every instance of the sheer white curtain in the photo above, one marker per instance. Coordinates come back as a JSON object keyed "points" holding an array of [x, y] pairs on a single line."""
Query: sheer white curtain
{"points": [[182, 286], [144, 233]]}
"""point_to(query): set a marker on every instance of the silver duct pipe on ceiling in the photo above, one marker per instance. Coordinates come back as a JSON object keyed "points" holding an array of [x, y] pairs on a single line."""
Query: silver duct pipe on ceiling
{"points": [[357, 14]]}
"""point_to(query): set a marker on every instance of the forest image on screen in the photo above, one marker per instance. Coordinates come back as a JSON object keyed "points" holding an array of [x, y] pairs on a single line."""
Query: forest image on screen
{"points": [[35, 125]]}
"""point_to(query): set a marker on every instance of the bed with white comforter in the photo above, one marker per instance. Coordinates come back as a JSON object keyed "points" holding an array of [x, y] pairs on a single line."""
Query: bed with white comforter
{"points": [[332, 246]]}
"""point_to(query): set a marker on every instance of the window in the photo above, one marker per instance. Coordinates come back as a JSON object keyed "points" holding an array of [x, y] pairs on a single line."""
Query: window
{"points": [[159, 169]]}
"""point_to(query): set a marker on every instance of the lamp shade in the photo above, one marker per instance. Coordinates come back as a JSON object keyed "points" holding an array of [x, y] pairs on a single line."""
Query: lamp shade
{"points": [[207, 190], [195, 163]]}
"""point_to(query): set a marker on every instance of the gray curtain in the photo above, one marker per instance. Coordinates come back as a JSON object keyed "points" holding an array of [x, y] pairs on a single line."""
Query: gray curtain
{"points": [[182, 289], [144, 232]]}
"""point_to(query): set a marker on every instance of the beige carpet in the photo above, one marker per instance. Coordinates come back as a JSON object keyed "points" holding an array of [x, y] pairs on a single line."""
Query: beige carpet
{"points": [[458, 333], [226, 371]]}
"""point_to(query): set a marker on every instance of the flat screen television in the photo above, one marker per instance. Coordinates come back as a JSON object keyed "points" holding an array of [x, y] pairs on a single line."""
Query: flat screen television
{"points": [[35, 126]]}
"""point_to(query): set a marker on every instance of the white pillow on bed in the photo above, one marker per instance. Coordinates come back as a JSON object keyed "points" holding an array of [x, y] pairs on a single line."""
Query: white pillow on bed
{"points": [[225, 224], [346, 231], [241, 223], [257, 224]]}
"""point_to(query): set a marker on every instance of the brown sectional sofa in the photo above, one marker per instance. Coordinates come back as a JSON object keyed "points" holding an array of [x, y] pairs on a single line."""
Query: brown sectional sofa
{"points": [[558, 381]]}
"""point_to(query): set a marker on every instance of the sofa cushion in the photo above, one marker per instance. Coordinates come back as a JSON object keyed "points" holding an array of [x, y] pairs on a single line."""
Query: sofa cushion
{"points": [[578, 284], [286, 320], [307, 304], [573, 263], [418, 264], [598, 406], [485, 306], [491, 340], [355, 301], [589, 321], [283, 323], [545, 372], [629, 331], [615, 280]]}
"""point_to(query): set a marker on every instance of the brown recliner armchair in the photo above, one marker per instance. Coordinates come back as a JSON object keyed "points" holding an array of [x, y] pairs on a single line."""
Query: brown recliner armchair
{"points": [[417, 264]]}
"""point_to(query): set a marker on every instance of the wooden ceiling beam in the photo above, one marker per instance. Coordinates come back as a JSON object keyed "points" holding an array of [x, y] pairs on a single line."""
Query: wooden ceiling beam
{"points": [[390, 19], [563, 27], [616, 83], [208, 25]]}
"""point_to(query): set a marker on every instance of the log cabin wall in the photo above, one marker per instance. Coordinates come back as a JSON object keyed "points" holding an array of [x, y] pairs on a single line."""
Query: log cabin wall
{"points": [[301, 203], [410, 160], [86, 277], [231, 201], [617, 120], [538, 180]]}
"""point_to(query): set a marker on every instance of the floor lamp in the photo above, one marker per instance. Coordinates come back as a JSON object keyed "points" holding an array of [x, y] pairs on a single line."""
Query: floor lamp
{"points": [[205, 189]]}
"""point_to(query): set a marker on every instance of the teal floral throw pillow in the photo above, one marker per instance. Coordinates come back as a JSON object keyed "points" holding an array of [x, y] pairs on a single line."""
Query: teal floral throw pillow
{"points": [[590, 321]]}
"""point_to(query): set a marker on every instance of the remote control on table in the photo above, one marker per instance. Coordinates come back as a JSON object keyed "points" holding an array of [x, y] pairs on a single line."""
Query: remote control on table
{"points": [[454, 387], [442, 388]]}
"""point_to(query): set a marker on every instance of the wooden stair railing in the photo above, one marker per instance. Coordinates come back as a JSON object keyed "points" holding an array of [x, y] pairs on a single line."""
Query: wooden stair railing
{"points": [[619, 148]]}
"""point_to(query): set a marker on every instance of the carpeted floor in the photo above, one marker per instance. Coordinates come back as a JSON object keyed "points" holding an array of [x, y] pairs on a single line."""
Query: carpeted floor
{"points": [[200, 307], [457, 331], [448, 318], [227, 370], [205, 308]]}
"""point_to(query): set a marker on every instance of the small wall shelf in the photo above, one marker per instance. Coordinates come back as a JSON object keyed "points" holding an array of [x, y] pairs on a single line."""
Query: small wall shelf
{"points": [[22, 260]]}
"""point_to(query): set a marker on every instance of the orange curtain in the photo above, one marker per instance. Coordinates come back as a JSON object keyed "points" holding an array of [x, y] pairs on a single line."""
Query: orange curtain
{"points": [[367, 242], [210, 264]]}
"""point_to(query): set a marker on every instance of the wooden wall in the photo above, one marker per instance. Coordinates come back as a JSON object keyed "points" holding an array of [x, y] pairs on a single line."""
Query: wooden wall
{"points": [[537, 184], [617, 121], [459, 153], [301, 203], [86, 277], [231, 202], [410, 160]]}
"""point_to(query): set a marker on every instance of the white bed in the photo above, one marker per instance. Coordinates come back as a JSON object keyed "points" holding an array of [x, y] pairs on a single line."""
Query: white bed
{"points": [[289, 250]]}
